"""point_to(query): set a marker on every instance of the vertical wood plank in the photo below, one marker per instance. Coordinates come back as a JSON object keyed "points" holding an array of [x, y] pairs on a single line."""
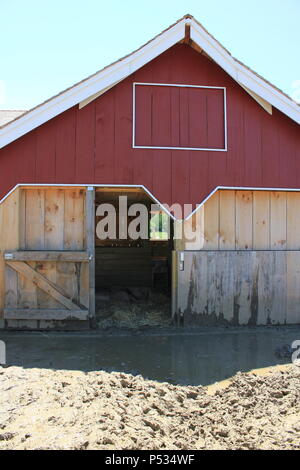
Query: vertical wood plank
{"points": [[35, 219], [9, 229], [211, 222], [244, 222], [174, 283], [293, 220], [279, 288], [243, 286], [27, 291], [49, 270], [22, 218], [201, 304], [194, 231], [90, 241], [278, 234], [68, 276], [54, 219], [9, 240], [84, 285], [227, 220], [265, 262], [261, 220], [213, 286], [74, 219], [11, 288], [228, 275], [293, 287]]}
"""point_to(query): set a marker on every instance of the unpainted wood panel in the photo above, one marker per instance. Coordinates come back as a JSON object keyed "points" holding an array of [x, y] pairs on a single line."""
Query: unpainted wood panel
{"points": [[44, 300], [68, 277], [265, 262], [278, 272], [261, 220], [244, 220], [278, 232], [35, 219], [194, 231], [227, 220], [293, 287], [74, 219], [11, 288], [27, 291], [54, 219], [240, 287], [293, 220], [243, 286], [211, 222], [213, 286], [227, 266], [9, 239], [9, 226]]}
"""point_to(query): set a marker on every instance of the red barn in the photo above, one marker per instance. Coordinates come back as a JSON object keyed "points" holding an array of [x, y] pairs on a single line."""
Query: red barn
{"points": [[179, 121]]}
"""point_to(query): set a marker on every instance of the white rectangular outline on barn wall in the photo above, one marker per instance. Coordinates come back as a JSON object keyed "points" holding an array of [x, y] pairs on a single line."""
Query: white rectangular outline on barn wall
{"points": [[178, 148]]}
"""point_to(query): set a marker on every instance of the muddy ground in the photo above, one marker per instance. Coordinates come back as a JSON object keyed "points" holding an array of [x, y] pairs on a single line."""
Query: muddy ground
{"points": [[47, 409]]}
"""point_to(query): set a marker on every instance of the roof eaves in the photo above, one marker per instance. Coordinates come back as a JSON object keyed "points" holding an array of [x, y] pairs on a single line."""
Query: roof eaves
{"points": [[113, 73]]}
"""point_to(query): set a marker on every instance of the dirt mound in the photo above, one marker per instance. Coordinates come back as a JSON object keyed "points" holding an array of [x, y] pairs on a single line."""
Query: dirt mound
{"points": [[46, 409]]}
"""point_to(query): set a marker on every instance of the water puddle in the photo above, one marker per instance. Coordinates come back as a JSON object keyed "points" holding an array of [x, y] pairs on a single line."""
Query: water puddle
{"points": [[190, 358]]}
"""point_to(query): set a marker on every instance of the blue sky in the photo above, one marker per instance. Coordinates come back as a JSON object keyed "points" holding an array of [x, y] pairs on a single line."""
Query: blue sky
{"points": [[48, 45]]}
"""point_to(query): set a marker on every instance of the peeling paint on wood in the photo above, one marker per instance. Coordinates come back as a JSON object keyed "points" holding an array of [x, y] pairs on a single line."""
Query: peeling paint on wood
{"points": [[239, 288]]}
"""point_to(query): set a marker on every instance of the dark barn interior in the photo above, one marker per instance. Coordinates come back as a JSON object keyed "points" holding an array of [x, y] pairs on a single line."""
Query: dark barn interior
{"points": [[132, 273]]}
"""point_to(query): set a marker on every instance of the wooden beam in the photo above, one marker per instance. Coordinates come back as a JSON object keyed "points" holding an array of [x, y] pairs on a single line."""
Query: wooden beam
{"points": [[263, 103], [47, 314], [72, 256], [90, 246], [119, 190], [43, 283], [174, 283]]}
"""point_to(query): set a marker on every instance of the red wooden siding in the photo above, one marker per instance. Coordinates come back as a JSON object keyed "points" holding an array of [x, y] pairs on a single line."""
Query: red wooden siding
{"points": [[94, 144], [169, 116]]}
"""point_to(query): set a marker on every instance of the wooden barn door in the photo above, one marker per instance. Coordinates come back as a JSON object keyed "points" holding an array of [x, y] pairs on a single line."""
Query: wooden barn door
{"points": [[48, 278]]}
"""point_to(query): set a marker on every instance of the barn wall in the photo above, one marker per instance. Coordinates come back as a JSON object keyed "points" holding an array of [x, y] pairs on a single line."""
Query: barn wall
{"points": [[239, 288], [9, 237], [247, 220], [94, 144], [50, 221], [245, 267]]}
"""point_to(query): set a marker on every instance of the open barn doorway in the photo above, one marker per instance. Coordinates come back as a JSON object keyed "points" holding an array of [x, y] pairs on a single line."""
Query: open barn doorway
{"points": [[133, 257]]}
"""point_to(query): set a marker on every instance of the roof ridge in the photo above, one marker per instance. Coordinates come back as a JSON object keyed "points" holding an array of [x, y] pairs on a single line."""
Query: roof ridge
{"points": [[234, 67]]}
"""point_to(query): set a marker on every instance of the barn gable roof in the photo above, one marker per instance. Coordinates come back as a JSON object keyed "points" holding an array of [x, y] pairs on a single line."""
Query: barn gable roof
{"points": [[98, 83]]}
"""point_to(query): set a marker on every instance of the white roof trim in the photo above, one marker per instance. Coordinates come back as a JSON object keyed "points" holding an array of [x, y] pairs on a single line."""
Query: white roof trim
{"points": [[101, 80], [118, 71], [242, 74]]}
